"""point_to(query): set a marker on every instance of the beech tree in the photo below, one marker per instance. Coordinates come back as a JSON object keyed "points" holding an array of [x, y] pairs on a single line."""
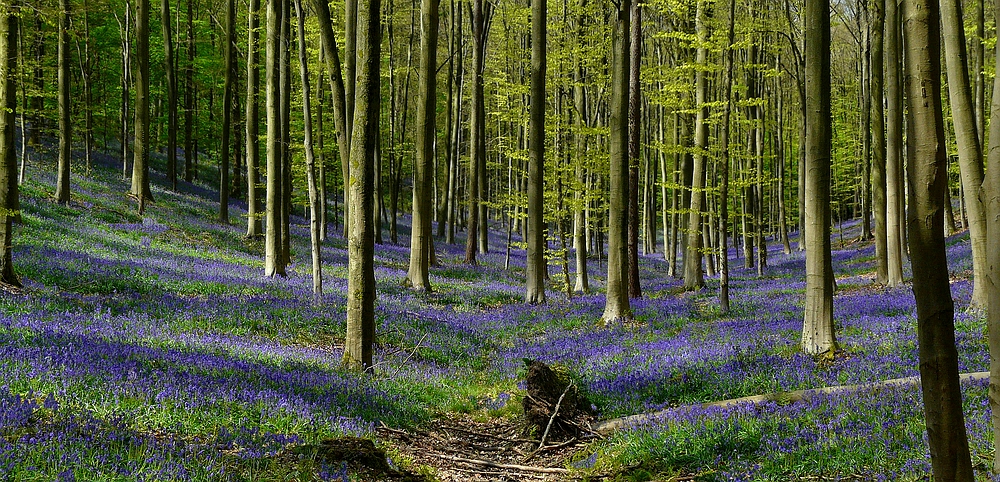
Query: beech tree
{"points": [[171, 78], [227, 111], [311, 174], [254, 225], [65, 105], [616, 305], [939, 382], [9, 12], [536, 266], [140, 164], [423, 163], [894, 144], [694, 277], [361, 235], [817, 328], [274, 263]]}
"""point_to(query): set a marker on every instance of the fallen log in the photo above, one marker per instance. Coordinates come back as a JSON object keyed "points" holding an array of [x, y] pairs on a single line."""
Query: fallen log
{"points": [[616, 424]]}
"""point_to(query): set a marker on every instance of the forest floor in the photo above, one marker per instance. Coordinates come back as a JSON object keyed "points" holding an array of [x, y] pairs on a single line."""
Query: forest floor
{"points": [[153, 348]]}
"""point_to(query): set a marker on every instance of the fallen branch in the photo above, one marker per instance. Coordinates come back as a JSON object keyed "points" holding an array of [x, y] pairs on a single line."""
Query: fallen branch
{"points": [[487, 463], [549, 425], [615, 424]]}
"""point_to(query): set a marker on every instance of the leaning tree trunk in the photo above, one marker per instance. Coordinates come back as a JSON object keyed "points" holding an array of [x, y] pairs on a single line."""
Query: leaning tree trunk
{"points": [[423, 164], [970, 152], [65, 105], [9, 12], [694, 276], [360, 337], [817, 328], [536, 266], [949, 445], [616, 305], [314, 207], [140, 163]]}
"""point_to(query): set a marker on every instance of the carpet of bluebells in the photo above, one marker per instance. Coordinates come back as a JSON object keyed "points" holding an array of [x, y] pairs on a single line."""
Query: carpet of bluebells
{"points": [[153, 348]]}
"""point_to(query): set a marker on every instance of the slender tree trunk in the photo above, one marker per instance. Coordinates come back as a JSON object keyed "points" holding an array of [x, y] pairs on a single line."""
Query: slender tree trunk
{"points": [[536, 266], [617, 305], [9, 12], [949, 446], [423, 165], [140, 163], [169, 69], [481, 12], [190, 153], [634, 129], [285, 114], [878, 143], [314, 207], [254, 227], [866, 119], [360, 339], [970, 152], [817, 329], [227, 111], [727, 107], [894, 144], [782, 163], [273, 261], [65, 104], [694, 276]]}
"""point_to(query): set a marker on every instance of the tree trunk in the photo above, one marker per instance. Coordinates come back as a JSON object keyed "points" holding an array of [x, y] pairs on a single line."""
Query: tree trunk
{"points": [[227, 111], [190, 153], [423, 164], [481, 13], [970, 152], [616, 306], [878, 143], [817, 329], [65, 105], [9, 12], [254, 227], [140, 163], [894, 144], [949, 446], [314, 206], [634, 118], [273, 261], [285, 115], [536, 266], [360, 336], [727, 107], [991, 200], [171, 77], [694, 276]]}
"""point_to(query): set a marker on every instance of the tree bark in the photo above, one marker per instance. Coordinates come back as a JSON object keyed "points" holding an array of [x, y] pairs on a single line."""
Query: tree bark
{"points": [[536, 266], [482, 10], [360, 337], [970, 152], [314, 206], [991, 200], [273, 261], [634, 129], [727, 107], [423, 164], [694, 276], [949, 446], [894, 144], [878, 142], [616, 306], [817, 329], [254, 225], [190, 153], [227, 111], [171, 78], [65, 105], [140, 163], [9, 12]]}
